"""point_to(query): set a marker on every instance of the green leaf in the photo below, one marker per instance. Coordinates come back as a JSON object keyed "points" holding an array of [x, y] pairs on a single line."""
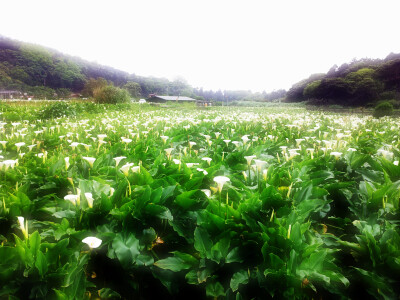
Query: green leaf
{"points": [[60, 295], [276, 262], [334, 276], [215, 290], [314, 261], [271, 198], [186, 257], [241, 277], [174, 264], [148, 237], [191, 277], [220, 250], [144, 260], [34, 243], [158, 211], [167, 193], [193, 184], [292, 262], [295, 235], [56, 251], [144, 177], [107, 293], [75, 280], [41, 263], [65, 214], [126, 249], [234, 256], [56, 167], [156, 195], [186, 199], [202, 242], [20, 204]]}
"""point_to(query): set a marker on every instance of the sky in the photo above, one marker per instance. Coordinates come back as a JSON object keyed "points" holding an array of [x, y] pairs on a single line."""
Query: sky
{"points": [[252, 45]]}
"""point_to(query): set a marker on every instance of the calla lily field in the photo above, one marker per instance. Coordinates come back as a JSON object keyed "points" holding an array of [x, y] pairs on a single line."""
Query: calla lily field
{"points": [[218, 203]]}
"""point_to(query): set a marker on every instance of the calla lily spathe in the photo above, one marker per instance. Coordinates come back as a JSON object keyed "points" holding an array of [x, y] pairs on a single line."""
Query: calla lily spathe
{"points": [[92, 242], [90, 160], [23, 226], [221, 180], [89, 198], [118, 159], [125, 168]]}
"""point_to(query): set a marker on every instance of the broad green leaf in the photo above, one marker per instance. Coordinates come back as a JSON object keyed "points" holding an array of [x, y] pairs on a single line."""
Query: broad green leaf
{"points": [[215, 289], [107, 293], [202, 242], [158, 211], [41, 263], [292, 262], [126, 248], [174, 264], [167, 193], [314, 261], [144, 260], [186, 199], [241, 277], [276, 262], [60, 295], [186, 257], [75, 280], [34, 243], [65, 214], [156, 195], [148, 237], [220, 249], [234, 256]]}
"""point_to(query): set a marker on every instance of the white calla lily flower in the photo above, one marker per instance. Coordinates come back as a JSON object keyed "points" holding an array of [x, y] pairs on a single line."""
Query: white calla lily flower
{"points": [[90, 160], [89, 198], [220, 180], [92, 242]]}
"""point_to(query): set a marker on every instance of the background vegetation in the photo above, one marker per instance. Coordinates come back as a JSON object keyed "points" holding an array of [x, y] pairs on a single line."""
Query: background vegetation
{"points": [[359, 83], [48, 74]]}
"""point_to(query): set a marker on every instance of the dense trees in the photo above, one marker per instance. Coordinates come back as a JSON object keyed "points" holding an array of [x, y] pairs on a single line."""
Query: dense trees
{"points": [[133, 89], [46, 73], [93, 85], [296, 92], [111, 94], [359, 83]]}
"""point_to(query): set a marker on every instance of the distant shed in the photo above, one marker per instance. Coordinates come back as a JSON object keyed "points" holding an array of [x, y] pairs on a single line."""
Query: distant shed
{"points": [[163, 99], [4, 94]]}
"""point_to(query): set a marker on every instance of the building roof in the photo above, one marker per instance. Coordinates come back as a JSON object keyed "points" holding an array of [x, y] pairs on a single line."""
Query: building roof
{"points": [[9, 92], [175, 98]]}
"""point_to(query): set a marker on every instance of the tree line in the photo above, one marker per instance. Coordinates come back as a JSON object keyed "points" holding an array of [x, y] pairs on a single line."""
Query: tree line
{"points": [[47, 73], [358, 83]]}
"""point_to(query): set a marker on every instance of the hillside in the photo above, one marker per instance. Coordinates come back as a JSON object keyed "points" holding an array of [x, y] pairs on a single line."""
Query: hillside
{"points": [[47, 73], [359, 83]]}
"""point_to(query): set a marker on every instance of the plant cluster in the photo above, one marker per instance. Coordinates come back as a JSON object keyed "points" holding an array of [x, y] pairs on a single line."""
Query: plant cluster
{"points": [[383, 109], [222, 203], [57, 110]]}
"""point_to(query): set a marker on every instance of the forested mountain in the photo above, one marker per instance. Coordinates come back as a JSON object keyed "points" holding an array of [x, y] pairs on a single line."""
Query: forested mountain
{"points": [[360, 82], [47, 73]]}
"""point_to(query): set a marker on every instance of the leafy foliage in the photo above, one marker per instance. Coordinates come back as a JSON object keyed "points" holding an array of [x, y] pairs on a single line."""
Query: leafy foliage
{"points": [[358, 83], [111, 94], [383, 109], [310, 210], [57, 110]]}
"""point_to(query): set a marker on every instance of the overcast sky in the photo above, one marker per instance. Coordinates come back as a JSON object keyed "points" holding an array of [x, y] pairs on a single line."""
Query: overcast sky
{"points": [[214, 44]]}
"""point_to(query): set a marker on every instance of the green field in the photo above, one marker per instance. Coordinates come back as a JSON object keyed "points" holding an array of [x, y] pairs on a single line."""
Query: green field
{"points": [[137, 202]]}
